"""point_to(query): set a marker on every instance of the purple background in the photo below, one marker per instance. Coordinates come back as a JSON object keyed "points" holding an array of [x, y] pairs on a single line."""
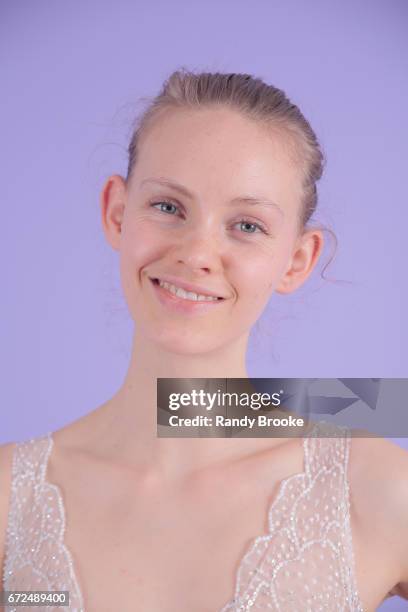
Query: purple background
{"points": [[71, 74]]}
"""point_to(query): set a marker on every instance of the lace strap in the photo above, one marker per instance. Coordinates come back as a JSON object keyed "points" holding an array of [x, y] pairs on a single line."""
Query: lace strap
{"points": [[36, 557], [28, 468], [326, 445], [328, 450]]}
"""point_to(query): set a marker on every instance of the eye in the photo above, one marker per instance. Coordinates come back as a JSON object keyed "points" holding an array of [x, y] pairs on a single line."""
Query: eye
{"points": [[251, 224], [166, 204]]}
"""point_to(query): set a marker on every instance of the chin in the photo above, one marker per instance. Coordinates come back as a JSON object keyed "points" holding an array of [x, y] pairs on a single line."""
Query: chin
{"points": [[185, 343]]}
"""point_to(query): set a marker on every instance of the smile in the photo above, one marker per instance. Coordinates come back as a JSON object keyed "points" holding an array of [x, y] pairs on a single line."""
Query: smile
{"points": [[182, 302], [183, 294]]}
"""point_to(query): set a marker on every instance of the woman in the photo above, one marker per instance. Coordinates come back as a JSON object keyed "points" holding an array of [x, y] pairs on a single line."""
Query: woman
{"points": [[220, 186]]}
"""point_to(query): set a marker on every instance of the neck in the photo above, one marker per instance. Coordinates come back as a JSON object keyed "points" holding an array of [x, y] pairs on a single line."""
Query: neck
{"points": [[131, 414]]}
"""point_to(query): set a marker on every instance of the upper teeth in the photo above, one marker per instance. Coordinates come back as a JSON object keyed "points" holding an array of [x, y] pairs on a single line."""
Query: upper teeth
{"points": [[186, 295]]}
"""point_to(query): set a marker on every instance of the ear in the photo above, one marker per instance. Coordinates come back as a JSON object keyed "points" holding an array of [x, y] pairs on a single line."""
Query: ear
{"points": [[113, 203], [304, 258]]}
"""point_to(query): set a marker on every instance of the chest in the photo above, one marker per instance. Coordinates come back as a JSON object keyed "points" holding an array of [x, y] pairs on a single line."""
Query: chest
{"points": [[162, 552]]}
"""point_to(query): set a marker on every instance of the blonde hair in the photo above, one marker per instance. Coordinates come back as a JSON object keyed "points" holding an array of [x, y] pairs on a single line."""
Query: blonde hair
{"points": [[256, 100]]}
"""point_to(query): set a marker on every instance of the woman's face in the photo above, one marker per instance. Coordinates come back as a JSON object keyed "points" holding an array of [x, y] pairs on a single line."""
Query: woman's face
{"points": [[190, 218]]}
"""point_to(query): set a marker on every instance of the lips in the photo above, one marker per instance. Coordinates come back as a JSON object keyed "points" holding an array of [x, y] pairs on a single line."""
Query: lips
{"points": [[200, 290], [183, 305]]}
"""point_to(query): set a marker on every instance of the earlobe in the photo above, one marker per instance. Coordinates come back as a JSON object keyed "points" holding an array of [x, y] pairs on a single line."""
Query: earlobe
{"points": [[289, 283], [112, 202]]}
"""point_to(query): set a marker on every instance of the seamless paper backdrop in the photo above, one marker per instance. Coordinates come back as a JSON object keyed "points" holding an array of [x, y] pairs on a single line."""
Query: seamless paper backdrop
{"points": [[71, 75]]}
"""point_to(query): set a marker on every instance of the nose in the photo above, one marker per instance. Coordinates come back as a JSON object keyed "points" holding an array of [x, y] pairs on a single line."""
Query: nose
{"points": [[200, 250]]}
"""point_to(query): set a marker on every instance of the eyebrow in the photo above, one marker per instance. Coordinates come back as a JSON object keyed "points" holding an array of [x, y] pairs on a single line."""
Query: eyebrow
{"points": [[238, 200]]}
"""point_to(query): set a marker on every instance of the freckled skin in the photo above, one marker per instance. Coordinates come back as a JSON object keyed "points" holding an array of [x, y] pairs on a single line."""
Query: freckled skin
{"points": [[217, 155]]}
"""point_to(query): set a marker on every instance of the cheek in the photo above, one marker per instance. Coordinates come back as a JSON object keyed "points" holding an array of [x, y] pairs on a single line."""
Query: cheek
{"points": [[140, 246], [256, 279], [252, 293]]}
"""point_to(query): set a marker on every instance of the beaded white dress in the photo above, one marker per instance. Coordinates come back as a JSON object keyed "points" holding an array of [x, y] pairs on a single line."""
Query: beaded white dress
{"points": [[304, 563]]}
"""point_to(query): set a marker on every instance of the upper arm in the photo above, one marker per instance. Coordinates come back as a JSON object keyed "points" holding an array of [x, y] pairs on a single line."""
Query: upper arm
{"points": [[399, 515], [380, 486], [6, 456]]}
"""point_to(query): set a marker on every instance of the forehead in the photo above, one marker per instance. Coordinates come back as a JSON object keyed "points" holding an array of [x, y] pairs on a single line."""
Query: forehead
{"points": [[219, 151]]}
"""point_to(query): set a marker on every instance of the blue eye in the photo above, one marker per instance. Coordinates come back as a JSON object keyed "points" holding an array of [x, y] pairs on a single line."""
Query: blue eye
{"points": [[165, 203], [170, 208], [247, 222]]}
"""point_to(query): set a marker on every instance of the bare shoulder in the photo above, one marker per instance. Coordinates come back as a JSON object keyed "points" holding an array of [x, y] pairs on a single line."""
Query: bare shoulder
{"points": [[83, 434], [378, 476], [379, 470], [6, 459]]}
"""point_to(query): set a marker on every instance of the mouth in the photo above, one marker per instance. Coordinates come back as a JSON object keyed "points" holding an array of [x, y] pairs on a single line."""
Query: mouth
{"points": [[183, 294]]}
